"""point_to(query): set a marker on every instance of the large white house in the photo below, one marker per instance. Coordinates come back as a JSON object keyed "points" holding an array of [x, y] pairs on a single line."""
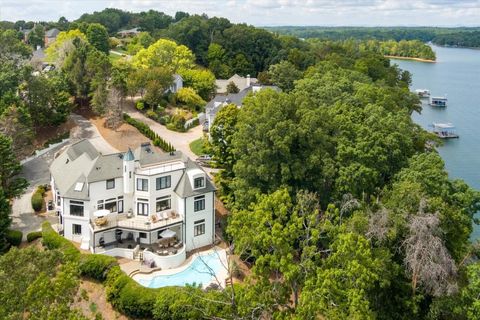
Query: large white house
{"points": [[124, 203]]}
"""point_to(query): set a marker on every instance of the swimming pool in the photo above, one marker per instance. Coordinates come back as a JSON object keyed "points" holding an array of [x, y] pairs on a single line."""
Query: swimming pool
{"points": [[199, 271]]}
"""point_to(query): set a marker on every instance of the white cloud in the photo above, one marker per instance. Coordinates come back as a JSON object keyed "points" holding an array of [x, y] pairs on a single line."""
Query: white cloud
{"points": [[267, 12]]}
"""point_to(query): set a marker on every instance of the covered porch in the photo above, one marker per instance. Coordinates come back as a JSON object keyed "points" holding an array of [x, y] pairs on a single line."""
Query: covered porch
{"points": [[163, 240]]}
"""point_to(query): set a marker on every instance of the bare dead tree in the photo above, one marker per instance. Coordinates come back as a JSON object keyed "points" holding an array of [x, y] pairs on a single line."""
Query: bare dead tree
{"points": [[348, 204], [427, 259], [114, 112], [378, 225]]}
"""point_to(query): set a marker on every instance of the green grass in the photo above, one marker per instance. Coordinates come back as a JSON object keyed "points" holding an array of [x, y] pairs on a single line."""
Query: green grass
{"points": [[114, 57], [197, 146]]}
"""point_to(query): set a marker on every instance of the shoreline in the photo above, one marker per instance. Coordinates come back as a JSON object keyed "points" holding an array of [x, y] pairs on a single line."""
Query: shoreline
{"points": [[410, 58]]}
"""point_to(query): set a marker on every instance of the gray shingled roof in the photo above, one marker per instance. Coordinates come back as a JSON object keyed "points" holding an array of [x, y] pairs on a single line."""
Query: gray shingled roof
{"points": [[184, 187], [52, 33], [81, 147], [146, 155], [82, 163], [106, 167]]}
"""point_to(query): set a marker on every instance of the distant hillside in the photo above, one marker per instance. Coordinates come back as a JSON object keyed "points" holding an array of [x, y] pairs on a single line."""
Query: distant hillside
{"points": [[461, 37]]}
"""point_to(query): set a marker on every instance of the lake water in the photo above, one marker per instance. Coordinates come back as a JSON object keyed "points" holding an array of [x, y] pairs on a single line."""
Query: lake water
{"points": [[457, 75]]}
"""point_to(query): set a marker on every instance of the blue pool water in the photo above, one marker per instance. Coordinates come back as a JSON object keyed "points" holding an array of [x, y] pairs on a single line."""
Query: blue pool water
{"points": [[198, 272]]}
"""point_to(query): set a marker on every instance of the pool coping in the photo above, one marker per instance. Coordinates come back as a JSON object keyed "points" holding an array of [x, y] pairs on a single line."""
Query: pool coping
{"points": [[221, 275]]}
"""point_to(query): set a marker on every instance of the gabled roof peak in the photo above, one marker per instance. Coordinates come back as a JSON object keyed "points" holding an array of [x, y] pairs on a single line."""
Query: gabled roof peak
{"points": [[129, 155]]}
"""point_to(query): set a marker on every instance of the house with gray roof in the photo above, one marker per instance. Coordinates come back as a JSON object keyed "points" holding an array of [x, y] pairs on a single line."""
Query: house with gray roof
{"points": [[221, 100], [241, 83], [51, 36], [125, 203]]}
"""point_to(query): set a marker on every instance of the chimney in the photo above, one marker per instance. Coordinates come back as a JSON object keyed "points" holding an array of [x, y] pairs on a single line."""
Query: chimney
{"points": [[248, 80]]}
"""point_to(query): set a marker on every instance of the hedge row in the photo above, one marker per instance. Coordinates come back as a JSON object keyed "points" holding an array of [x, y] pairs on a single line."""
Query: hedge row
{"points": [[52, 240], [149, 133], [133, 299], [34, 235], [96, 266]]}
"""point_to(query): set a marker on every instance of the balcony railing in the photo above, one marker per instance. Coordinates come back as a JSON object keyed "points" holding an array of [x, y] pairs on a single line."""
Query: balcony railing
{"points": [[136, 222]]}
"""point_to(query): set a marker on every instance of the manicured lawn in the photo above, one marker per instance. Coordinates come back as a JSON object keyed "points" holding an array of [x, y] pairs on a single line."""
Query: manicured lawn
{"points": [[197, 147]]}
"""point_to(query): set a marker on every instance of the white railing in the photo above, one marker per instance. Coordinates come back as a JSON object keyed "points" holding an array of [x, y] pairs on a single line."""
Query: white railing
{"points": [[138, 223]]}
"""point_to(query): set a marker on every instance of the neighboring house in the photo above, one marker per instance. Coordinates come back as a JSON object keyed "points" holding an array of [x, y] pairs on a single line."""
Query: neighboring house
{"points": [[177, 83], [217, 103], [241, 82], [51, 36], [118, 203], [128, 33], [25, 33]]}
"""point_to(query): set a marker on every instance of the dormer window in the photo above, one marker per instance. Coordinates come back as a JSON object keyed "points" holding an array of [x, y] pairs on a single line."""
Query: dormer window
{"points": [[199, 183]]}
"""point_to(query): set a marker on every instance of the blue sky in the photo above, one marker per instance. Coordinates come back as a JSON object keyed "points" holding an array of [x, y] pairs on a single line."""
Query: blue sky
{"points": [[269, 12]]}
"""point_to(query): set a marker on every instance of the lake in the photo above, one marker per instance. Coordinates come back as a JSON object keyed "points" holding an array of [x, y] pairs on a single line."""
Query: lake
{"points": [[457, 75]]}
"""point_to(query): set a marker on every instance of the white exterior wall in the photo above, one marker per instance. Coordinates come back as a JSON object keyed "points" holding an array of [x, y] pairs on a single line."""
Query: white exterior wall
{"points": [[69, 221], [208, 214], [98, 191], [152, 194]]}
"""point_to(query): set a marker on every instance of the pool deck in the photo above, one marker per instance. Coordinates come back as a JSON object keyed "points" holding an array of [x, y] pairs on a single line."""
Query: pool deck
{"points": [[220, 276]]}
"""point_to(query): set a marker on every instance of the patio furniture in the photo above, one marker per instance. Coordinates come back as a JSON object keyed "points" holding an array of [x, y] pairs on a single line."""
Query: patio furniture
{"points": [[101, 221], [174, 251]]}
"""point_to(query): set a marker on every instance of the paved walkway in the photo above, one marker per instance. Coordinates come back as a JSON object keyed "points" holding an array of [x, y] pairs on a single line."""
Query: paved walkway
{"points": [[180, 140], [36, 171]]}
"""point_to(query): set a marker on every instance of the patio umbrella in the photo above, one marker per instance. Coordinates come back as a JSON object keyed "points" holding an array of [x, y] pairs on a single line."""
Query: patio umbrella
{"points": [[101, 213], [167, 233]]}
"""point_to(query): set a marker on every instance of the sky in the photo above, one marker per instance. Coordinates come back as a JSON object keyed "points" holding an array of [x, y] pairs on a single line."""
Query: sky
{"points": [[268, 12]]}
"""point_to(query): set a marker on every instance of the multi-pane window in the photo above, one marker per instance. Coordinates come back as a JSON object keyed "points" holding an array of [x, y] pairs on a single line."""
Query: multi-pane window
{"points": [[142, 184], [142, 235], [111, 205], [77, 229], [199, 227], [163, 182], [142, 207], [198, 183], [199, 203], [76, 208], [111, 184], [164, 203]]}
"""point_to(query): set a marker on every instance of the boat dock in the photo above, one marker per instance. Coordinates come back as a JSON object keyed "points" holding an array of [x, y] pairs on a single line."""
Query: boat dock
{"points": [[445, 130], [438, 101]]}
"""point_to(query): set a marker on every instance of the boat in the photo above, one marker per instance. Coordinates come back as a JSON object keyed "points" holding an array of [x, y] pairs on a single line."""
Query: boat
{"points": [[438, 101], [444, 130], [422, 93]]}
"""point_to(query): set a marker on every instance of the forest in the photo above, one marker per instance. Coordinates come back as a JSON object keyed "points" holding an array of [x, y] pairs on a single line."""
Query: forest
{"points": [[340, 204], [460, 37]]}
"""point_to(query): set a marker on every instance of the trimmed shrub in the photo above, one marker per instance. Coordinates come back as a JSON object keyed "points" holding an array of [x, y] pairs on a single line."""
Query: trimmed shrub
{"points": [[53, 240], [41, 189], [140, 105], [37, 201], [96, 266], [34, 235], [14, 237]]}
